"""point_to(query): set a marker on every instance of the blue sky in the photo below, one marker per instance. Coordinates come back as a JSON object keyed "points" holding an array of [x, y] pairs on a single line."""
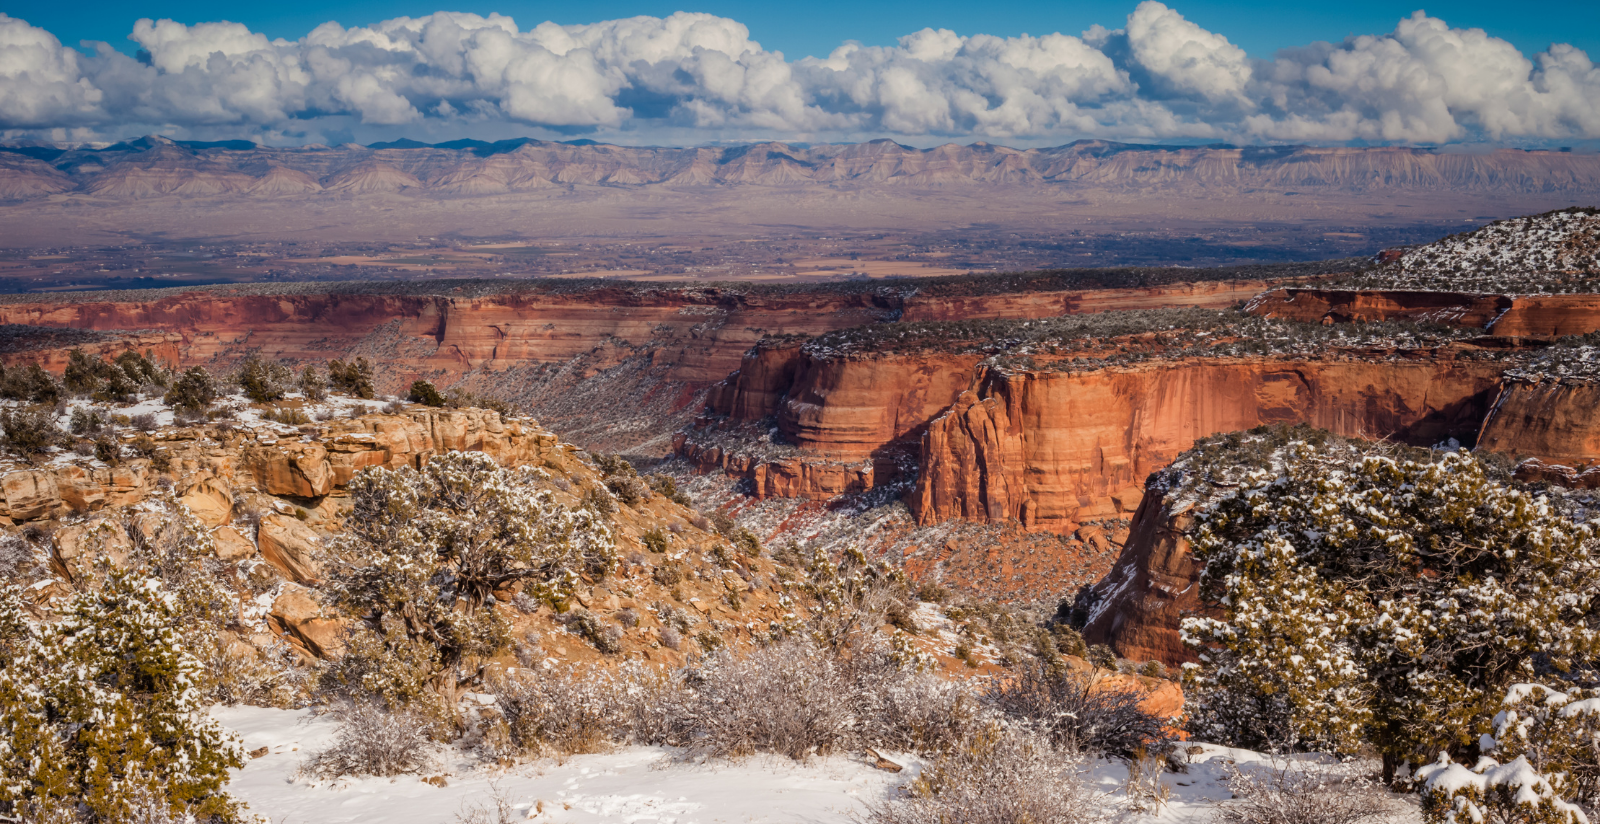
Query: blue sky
{"points": [[922, 71], [815, 28]]}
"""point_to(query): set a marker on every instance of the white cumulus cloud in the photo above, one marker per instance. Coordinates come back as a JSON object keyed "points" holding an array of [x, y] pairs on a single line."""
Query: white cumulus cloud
{"points": [[1157, 76]]}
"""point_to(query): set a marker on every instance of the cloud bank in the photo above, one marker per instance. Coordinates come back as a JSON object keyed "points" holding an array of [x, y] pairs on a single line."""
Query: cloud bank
{"points": [[692, 76]]}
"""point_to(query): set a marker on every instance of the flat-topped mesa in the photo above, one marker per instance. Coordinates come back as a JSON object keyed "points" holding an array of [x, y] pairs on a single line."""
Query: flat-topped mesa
{"points": [[1534, 276], [1057, 422], [156, 167]]}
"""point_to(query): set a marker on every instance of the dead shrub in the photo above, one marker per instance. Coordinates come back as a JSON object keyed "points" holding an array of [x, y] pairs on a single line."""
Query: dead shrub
{"points": [[374, 741], [1290, 794], [1078, 711], [1002, 776]]}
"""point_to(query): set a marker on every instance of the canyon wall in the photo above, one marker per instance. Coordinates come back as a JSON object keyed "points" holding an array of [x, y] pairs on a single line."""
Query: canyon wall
{"points": [[1053, 449], [162, 347], [1552, 421], [1502, 315]]}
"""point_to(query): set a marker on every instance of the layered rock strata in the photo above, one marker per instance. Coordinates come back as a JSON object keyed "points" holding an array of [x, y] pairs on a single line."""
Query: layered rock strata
{"points": [[1503, 315], [1051, 448]]}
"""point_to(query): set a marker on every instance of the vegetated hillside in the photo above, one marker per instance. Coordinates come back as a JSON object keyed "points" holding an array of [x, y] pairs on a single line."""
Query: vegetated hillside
{"points": [[156, 167], [1548, 254], [459, 590]]}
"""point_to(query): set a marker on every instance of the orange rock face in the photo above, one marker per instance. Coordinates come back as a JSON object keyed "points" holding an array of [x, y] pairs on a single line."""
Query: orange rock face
{"points": [[1507, 316], [1556, 422], [1151, 588], [1053, 449], [215, 468]]}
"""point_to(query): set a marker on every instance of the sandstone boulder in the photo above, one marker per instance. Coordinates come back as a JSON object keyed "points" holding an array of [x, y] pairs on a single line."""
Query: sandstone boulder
{"points": [[300, 470], [211, 501], [298, 617], [230, 545], [31, 494], [77, 547], [291, 547]]}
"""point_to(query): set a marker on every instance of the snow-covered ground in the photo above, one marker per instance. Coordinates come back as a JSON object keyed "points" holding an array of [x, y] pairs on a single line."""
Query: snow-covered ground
{"points": [[635, 784]]}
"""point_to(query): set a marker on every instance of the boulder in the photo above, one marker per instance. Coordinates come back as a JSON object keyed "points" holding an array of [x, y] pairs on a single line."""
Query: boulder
{"points": [[300, 470], [211, 501], [80, 545], [230, 545], [291, 547], [297, 616], [31, 494]]}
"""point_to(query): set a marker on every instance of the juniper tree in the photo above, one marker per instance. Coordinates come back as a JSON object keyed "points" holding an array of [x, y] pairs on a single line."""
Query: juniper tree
{"points": [[100, 711], [1382, 599], [425, 556]]}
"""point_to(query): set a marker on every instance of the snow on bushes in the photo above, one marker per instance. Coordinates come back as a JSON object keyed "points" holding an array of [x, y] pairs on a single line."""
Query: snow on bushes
{"points": [[374, 741], [101, 711], [1380, 599], [1539, 764], [1551, 253], [1003, 775], [427, 553], [1078, 712]]}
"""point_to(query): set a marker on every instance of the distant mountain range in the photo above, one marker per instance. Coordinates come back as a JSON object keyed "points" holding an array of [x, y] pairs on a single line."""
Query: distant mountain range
{"points": [[158, 167]]}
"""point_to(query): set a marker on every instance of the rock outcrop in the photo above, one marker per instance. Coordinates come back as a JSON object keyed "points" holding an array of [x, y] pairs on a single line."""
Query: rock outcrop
{"points": [[1503, 315], [1152, 587], [1553, 421], [215, 463]]}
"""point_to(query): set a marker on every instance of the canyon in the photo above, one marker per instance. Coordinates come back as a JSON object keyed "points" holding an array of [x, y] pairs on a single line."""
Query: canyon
{"points": [[1024, 405]]}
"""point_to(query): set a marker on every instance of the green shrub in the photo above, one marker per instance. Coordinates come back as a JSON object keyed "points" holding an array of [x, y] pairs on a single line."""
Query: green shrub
{"points": [[353, 379], [264, 382], [100, 710], [29, 383], [664, 485], [1412, 592], [313, 387], [30, 431], [194, 391], [424, 393]]}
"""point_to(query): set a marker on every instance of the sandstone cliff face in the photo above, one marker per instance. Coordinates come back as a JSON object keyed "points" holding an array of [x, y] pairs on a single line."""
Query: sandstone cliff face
{"points": [[1507, 316], [1554, 421], [213, 464], [1052, 449], [164, 347], [1154, 584]]}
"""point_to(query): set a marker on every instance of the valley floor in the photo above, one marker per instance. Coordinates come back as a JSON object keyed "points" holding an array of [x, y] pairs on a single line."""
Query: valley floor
{"points": [[638, 784]]}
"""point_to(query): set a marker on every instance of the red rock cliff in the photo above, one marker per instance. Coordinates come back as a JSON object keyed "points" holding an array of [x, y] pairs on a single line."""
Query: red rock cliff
{"points": [[1052, 449], [1508, 316], [1554, 421]]}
